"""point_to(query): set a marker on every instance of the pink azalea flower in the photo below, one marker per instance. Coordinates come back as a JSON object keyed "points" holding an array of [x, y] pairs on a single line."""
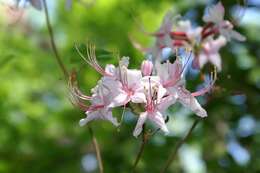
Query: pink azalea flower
{"points": [[99, 100], [210, 52], [215, 15], [163, 36], [99, 109], [186, 34], [171, 76], [155, 104], [124, 84]]}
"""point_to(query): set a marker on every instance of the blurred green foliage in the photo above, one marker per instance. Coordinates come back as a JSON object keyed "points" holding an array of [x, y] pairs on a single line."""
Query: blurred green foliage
{"points": [[39, 129]]}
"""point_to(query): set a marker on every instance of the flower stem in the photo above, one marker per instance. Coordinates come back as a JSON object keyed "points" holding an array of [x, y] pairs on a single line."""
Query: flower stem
{"points": [[53, 45], [66, 75], [179, 144], [95, 143], [145, 137]]}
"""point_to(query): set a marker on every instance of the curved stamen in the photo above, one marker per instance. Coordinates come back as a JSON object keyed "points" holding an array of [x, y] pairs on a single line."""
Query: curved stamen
{"points": [[77, 102], [177, 77], [73, 86], [213, 78], [92, 60]]}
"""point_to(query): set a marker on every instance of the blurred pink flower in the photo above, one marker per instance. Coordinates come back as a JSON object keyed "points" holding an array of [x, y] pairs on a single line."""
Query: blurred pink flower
{"points": [[172, 79], [210, 52], [215, 15]]}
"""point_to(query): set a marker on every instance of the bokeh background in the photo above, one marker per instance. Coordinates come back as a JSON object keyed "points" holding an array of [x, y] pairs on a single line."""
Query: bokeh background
{"points": [[39, 129]]}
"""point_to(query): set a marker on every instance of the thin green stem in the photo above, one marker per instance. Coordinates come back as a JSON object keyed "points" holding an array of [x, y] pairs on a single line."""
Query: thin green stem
{"points": [[95, 143], [145, 137], [179, 144], [66, 75], [53, 45]]}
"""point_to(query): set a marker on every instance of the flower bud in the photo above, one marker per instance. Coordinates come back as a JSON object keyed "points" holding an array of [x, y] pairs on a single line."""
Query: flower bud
{"points": [[147, 68]]}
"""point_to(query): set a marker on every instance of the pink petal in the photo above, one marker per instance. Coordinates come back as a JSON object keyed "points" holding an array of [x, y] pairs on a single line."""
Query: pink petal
{"points": [[236, 35], [139, 126], [215, 60], [187, 100], [118, 100], [203, 59], [102, 114], [138, 97], [215, 13], [158, 120], [133, 77]]}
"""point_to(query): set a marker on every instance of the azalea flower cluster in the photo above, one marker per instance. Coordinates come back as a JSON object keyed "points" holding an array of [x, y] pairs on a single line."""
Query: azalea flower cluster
{"points": [[204, 41], [157, 84], [153, 87]]}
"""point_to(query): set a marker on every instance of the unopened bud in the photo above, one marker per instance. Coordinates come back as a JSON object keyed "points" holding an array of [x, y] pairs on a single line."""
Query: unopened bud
{"points": [[147, 68]]}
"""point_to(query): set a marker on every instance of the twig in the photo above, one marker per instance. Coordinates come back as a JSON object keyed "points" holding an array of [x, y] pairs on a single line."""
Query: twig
{"points": [[95, 143], [66, 75], [145, 137], [53, 45], [179, 144]]}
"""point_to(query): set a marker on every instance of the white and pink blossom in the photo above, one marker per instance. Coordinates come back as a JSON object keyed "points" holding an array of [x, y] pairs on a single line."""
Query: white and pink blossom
{"points": [[210, 52], [215, 14], [156, 103], [156, 85], [101, 98], [173, 81]]}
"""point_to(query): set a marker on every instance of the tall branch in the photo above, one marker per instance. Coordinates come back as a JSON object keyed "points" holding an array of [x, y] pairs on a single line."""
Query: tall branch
{"points": [[66, 75], [179, 144]]}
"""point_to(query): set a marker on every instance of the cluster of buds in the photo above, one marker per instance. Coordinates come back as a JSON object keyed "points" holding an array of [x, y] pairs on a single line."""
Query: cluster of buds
{"points": [[157, 84]]}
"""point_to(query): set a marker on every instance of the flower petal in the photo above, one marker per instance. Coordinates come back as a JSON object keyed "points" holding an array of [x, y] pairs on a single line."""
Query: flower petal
{"points": [[187, 100], [107, 115], [203, 59], [160, 93], [133, 77], [138, 97], [215, 13], [102, 114], [36, 4], [167, 22], [118, 100], [90, 116], [110, 69], [158, 120], [166, 102], [215, 60], [139, 124], [236, 35]]}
